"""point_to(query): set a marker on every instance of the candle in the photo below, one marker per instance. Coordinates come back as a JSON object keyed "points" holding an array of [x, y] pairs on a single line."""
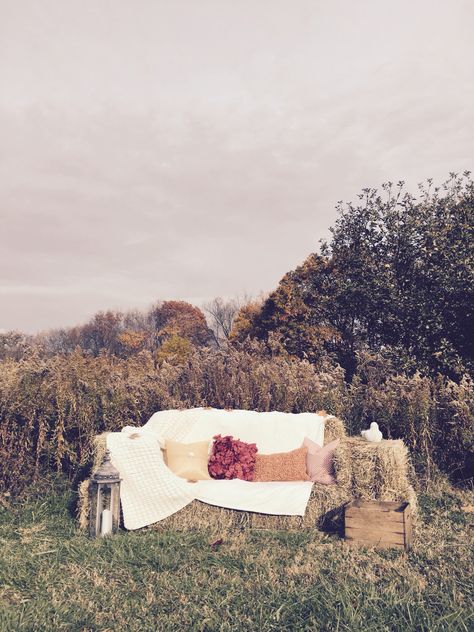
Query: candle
{"points": [[106, 524]]}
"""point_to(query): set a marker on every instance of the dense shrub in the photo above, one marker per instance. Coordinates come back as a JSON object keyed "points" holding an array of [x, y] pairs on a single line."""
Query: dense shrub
{"points": [[396, 273]]}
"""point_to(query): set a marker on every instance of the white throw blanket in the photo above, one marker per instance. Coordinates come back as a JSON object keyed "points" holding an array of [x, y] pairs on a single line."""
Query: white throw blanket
{"points": [[151, 492]]}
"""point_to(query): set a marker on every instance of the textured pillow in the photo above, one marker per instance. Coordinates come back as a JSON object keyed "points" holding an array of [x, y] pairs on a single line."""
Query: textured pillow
{"points": [[188, 460], [232, 458], [281, 466], [319, 461]]}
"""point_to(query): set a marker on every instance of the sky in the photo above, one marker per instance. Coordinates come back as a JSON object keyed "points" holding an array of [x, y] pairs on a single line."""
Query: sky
{"points": [[188, 149]]}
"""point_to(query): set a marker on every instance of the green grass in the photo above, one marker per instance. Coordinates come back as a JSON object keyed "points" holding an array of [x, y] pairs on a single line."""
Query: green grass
{"points": [[52, 577]]}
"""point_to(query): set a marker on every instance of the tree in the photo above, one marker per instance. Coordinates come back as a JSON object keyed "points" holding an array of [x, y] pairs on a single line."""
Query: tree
{"points": [[405, 272], [174, 350], [222, 314], [131, 341], [101, 332], [245, 322], [14, 345], [295, 311], [182, 319], [397, 277]]}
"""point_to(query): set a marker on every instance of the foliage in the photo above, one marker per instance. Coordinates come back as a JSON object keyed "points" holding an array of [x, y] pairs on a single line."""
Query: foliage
{"points": [[131, 342], [405, 272], [14, 344], [174, 350], [178, 318], [51, 408], [245, 321], [397, 277], [434, 416], [298, 313], [116, 333]]}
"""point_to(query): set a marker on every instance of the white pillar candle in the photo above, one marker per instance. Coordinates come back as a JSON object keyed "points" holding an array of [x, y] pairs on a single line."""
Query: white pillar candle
{"points": [[106, 524]]}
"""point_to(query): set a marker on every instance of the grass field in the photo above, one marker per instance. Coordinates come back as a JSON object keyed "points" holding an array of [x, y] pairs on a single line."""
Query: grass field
{"points": [[52, 577]]}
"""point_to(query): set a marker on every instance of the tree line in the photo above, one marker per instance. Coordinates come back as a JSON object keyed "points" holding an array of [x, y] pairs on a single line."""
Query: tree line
{"points": [[396, 278]]}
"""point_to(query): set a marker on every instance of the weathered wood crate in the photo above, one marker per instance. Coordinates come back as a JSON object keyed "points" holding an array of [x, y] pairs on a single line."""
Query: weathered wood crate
{"points": [[379, 524]]}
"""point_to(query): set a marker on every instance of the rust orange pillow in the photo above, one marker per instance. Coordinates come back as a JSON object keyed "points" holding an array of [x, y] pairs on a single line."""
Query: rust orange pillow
{"points": [[281, 466]]}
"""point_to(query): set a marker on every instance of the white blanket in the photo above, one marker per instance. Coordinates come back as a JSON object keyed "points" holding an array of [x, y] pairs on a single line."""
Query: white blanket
{"points": [[151, 492]]}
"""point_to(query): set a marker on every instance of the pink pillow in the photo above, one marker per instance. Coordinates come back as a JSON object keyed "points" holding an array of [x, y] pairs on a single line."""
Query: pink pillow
{"points": [[319, 461]]}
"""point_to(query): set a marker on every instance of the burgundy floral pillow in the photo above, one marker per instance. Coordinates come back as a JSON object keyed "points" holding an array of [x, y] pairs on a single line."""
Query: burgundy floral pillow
{"points": [[232, 458]]}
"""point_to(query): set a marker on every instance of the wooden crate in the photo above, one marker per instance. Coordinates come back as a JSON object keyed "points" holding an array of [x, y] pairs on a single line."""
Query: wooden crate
{"points": [[379, 524]]}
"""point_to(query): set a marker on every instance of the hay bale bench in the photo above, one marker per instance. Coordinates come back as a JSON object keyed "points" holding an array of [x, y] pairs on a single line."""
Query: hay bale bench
{"points": [[364, 470]]}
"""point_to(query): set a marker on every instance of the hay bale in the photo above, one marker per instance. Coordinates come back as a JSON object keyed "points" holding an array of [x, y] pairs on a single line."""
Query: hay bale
{"points": [[100, 446], [342, 460], [324, 500], [83, 505], [199, 515], [375, 471], [363, 470], [334, 429]]}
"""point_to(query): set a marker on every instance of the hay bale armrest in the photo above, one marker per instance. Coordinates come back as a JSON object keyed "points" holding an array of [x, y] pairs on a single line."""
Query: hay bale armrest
{"points": [[375, 471], [334, 429], [83, 506]]}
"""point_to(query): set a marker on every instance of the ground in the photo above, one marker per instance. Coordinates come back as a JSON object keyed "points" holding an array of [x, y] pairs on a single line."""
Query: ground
{"points": [[53, 577]]}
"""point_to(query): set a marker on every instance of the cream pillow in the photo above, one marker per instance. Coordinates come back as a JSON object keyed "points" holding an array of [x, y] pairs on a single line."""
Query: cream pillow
{"points": [[188, 460]]}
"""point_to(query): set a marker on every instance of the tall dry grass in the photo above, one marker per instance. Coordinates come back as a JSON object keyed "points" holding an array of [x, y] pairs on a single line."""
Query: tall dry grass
{"points": [[51, 408], [435, 416]]}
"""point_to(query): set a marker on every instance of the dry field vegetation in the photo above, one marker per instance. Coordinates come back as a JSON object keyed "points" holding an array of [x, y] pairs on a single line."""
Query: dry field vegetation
{"points": [[51, 408], [52, 577], [375, 328]]}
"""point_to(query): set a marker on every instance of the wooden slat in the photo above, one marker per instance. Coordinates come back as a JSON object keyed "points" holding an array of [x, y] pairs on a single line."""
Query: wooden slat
{"points": [[374, 520], [408, 530], [382, 516], [374, 535], [378, 545], [377, 505]]}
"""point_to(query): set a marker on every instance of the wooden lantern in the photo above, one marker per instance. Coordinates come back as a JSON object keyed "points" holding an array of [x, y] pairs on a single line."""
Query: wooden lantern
{"points": [[104, 499]]}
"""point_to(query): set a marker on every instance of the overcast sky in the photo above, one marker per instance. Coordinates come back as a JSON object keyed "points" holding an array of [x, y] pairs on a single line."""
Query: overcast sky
{"points": [[187, 149]]}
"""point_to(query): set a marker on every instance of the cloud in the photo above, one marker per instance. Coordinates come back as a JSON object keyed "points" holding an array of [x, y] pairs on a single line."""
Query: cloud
{"points": [[168, 158]]}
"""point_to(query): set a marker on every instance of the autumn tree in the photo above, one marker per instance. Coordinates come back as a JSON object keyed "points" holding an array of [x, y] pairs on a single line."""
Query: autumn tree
{"points": [[182, 319], [245, 322], [130, 341], [14, 345], [101, 332], [175, 350]]}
